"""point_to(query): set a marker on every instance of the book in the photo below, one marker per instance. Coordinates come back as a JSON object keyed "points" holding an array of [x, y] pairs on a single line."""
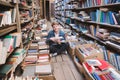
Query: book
{"points": [[18, 38], [96, 76], [43, 69], [105, 65], [3, 55], [5, 69], [8, 42], [93, 62]]}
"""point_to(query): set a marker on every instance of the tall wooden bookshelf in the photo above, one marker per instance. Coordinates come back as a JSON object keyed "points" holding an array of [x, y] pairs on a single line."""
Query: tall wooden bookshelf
{"points": [[89, 17], [16, 16]]}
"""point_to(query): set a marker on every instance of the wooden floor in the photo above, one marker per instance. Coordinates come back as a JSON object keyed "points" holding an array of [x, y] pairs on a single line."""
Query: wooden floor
{"points": [[64, 69]]}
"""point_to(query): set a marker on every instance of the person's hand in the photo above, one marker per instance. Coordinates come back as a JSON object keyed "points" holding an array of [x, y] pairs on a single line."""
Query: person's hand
{"points": [[58, 41], [53, 39]]}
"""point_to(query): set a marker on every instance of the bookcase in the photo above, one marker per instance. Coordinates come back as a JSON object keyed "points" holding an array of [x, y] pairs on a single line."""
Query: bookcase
{"points": [[96, 20], [60, 11], [17, 18]]}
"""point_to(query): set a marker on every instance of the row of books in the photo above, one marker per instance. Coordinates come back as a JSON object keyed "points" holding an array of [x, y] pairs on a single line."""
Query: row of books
{"points": [[8, 44], [12, 62], [38, 56], [7, 17], [88, 3], [111, 57], [108, 17]]}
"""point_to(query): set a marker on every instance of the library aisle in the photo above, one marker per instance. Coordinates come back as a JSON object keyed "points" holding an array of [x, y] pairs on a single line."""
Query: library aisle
{"points": [[63, 66], [86, 48], [64, 69]]}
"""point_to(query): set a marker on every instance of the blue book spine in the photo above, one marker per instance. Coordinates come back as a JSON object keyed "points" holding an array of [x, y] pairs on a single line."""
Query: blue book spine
{"points": [[95, 75], [111, 18]]}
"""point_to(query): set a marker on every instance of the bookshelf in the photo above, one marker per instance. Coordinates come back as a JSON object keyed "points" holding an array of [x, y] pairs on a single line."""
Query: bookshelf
{"points": [[17, 19], [59, 12], [89, 18]]}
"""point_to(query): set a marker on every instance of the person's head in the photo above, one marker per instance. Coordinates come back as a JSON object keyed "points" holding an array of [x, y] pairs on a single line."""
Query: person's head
{"points": [[55, 26]]}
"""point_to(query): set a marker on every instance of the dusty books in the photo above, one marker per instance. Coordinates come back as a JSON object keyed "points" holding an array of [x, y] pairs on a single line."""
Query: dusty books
{"points": [[43, 69], [5, 69], [43, 47], [43, 58], [31, 59], [93, 62], [33, 46]]}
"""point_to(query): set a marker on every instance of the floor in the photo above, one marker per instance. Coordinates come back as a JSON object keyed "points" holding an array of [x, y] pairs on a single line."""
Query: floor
{"points": [[64, 69], [62, 65]]}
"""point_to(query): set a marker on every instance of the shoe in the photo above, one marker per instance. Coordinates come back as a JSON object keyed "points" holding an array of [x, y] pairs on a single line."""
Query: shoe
{"points": [[50, 55], [65, 53], [54, 54]]}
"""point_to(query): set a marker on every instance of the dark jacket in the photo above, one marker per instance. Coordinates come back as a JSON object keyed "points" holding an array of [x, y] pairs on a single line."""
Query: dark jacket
{"points": [[52, 34]]}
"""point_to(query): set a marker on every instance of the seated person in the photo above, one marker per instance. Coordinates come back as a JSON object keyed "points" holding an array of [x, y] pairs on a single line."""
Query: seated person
{"points": [[56, 40]]}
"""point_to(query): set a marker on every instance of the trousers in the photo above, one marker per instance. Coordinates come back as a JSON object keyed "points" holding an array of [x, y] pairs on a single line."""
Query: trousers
{"points": [[59, 48]]}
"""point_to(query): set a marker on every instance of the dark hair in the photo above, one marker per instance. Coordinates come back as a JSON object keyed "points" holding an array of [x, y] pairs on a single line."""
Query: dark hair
{"points": [[54, 23]]}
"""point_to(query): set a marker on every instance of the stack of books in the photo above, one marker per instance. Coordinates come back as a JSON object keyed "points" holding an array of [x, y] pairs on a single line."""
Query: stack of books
{"points": [[99, 70], [33, 48]]}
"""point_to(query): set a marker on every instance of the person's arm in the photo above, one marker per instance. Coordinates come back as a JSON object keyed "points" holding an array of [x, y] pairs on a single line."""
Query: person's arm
{"points": [[50, 38]]}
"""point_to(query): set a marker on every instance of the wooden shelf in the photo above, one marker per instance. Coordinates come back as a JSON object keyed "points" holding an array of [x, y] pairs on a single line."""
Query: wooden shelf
{"points": [[5, 3], [7, 29], [22, 7], [97, 23], [114, 47]]}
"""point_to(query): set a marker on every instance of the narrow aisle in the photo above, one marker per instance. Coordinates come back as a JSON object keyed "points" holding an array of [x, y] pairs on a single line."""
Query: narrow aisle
{"points": [[63, 67]]}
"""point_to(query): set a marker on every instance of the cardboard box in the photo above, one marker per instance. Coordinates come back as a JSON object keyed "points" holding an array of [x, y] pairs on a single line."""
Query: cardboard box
{"points": [[78, 65], [86, 74], [71, 49], [94, 54]]}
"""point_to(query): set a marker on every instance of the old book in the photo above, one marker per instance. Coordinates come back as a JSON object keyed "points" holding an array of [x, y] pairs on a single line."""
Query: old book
{"points": [[5, 69], [3, 55], [43, 47], [43, 69], [18, 38]]}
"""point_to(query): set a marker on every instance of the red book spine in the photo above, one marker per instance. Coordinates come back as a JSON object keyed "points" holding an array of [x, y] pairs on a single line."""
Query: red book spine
{"points": [[103, 77]]}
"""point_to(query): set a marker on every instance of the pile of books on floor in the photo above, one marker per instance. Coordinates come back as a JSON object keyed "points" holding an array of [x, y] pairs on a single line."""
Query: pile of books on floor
{"points": [[37, 63], [96, 69]]}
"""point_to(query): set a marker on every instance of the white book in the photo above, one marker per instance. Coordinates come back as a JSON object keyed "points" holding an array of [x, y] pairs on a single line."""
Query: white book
{"points": [[3, 53], [93, 62], [8, 17], [43, 69], [18, 39]]}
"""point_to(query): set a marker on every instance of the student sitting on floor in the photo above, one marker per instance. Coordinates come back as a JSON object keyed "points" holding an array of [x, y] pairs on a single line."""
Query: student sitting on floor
{"points": [[56, 40]]}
